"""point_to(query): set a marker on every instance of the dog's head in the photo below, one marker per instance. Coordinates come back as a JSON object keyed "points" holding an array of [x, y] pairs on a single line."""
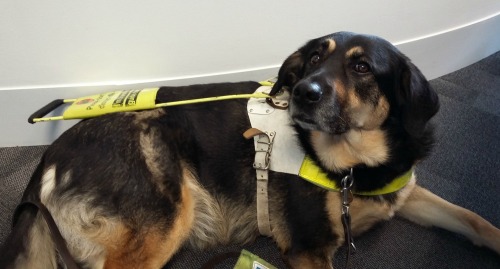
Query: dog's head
{"points": [[347, 81]]}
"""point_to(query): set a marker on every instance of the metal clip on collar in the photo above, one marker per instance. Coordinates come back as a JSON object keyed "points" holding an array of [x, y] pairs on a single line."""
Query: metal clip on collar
{"points": [[345, 192]]}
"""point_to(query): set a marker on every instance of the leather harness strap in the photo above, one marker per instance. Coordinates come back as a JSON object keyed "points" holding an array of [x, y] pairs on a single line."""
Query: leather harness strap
{"points": [[54, 231], [261, 166]]}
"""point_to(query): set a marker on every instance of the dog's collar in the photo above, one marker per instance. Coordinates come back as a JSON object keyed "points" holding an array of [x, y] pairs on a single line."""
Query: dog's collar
{"points": [[314, 174]]}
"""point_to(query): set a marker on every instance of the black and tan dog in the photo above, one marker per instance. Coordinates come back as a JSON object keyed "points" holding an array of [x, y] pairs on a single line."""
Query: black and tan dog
{"points": [[128, 189]]}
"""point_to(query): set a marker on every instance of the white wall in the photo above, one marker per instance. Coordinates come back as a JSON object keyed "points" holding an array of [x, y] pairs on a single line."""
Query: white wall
{"points": [[64, 49]]}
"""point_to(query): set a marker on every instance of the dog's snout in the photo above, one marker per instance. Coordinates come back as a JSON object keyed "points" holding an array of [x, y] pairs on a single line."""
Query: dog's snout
{"points": [[310, 92]]}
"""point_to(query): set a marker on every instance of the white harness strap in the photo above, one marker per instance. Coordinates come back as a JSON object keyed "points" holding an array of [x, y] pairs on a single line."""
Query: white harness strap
{"points": [[267, 123], [261, 165]]}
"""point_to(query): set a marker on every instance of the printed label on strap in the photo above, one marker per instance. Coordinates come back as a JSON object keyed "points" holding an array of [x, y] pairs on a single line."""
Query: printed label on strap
{"points": [[248, 260], [258, 265], [117, 101]]}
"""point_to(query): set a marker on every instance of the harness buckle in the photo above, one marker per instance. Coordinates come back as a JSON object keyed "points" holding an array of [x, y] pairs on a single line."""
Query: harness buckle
{"points": [[262, 161], [266, 139]]}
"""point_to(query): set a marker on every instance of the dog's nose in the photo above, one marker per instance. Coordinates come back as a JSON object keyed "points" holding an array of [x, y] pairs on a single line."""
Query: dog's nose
{"points": [[310, 92]]}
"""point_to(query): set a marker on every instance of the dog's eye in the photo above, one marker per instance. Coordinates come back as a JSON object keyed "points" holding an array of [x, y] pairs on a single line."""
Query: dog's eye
{"points": [[362, 67], [315, 59]]}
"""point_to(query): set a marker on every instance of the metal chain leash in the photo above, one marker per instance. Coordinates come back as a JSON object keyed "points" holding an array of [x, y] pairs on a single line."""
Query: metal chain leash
{"points": [[346, 194]]}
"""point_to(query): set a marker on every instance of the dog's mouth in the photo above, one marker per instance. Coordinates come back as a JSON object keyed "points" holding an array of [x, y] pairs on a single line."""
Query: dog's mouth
{"points": [[305, 122]]}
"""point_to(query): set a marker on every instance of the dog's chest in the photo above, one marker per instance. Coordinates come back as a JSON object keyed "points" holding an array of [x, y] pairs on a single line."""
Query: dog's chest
{"points": [[366, 212]]}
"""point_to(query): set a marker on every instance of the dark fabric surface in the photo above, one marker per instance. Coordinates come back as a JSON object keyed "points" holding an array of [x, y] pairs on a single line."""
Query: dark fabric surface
{"points": [[464, 169]]}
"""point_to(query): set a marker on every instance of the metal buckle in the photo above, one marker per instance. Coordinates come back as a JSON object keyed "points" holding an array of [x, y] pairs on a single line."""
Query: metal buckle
{"points": [[267, 159], [280, 100]]}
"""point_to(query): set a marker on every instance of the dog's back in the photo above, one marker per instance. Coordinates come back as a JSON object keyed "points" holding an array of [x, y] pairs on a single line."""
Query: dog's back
{"points": [[126, 179]]}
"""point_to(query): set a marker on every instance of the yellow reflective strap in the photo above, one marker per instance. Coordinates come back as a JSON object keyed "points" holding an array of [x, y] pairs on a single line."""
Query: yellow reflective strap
{"points": [[314, 174]]}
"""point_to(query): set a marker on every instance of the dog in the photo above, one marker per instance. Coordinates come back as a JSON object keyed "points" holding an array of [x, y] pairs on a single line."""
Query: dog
{"points": [[128, 189]]}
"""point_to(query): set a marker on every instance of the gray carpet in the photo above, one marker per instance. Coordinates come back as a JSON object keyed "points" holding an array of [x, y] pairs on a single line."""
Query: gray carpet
{"points": [[463, 169]]}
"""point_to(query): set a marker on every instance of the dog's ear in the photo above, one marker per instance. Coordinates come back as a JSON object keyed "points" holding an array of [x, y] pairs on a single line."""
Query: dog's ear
{"points": [[289, 73], [417, 100]]}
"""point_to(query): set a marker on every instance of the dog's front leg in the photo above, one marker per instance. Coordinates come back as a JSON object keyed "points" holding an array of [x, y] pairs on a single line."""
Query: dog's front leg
{"points": [[425, 208]]}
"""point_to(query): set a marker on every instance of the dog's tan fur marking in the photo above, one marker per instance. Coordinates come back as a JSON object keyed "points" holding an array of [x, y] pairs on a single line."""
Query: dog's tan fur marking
{"points": [[331, 45], [306, 260], [79, 222], [366, 116], [48, 183], [102, 240], [219, 220], [281, 236], [425, 208], [353, 100], [365, 213], [150, 147], [206, 213], [143, 115], [239, 223], [41, 250], [79, 230], [153, 148], [340, 152], [380, 114], [354, 52], [340, 90], [150, 247]]}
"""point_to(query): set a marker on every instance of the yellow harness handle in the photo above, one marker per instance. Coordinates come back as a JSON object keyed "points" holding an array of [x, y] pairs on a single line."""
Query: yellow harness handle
{"points": [[121, 101]]}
